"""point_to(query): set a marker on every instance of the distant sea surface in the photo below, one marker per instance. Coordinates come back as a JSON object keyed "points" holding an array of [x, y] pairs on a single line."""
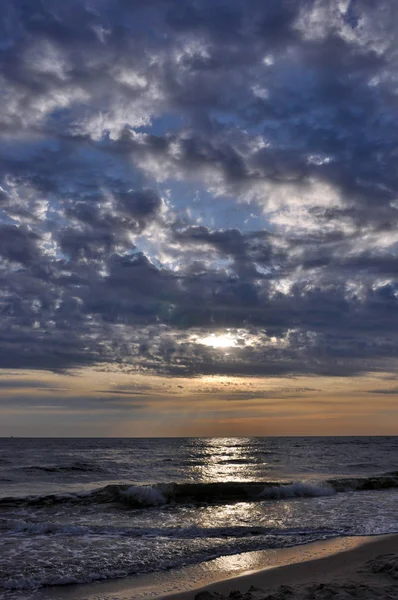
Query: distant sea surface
{"points": [[83, 510]]}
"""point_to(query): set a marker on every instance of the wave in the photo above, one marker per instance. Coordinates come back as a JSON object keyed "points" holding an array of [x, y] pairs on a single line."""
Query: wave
{"points": [[11, 527], [146, 496], [358, 484], [89, 560], [297, 490], [73, 467]]}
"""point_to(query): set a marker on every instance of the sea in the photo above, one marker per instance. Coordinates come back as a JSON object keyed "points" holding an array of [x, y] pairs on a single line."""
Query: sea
{"points": [[77, 511]]}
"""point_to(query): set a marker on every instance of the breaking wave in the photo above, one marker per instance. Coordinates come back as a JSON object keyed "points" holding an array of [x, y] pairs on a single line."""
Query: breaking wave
{"points": [[296, 490], [145, 496]]}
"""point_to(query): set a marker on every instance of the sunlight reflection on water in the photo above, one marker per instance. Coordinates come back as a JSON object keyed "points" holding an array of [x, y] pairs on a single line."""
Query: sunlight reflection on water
{"points": [[229, 459]]}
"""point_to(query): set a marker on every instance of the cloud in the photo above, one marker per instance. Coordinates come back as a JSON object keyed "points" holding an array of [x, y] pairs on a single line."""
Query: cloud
{"points": [[71, 405], [10, 384], [225, 167], [387, 391]]}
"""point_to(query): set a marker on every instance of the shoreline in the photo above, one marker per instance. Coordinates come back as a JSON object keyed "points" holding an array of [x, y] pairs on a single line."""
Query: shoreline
{"points": [[263, 570], [369, 567]]}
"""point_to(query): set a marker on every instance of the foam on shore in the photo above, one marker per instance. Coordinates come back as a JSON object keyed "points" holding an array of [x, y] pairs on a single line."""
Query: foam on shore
{"points": [[264, 570]]}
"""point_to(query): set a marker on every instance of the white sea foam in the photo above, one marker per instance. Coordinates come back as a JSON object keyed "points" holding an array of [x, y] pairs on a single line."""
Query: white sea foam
{"points": [[33, 563], [297, 490], [144, 495]]}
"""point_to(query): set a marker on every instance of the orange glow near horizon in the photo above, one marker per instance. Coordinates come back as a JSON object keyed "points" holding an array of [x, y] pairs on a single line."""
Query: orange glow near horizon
{"points": [[98, 403]]}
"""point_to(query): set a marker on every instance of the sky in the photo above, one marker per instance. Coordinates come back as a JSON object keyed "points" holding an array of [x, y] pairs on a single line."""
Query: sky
{"points": [[198, 217]]}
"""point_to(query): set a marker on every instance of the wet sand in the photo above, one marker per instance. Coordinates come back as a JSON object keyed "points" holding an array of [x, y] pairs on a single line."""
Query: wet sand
{"points": [[367, 570]]}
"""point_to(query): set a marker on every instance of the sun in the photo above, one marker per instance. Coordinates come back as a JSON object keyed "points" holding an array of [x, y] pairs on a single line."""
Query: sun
{"points": [[221, 341]]}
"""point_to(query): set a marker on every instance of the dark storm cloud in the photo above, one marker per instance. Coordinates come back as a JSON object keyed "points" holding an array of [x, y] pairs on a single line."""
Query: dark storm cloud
{"points": [[246, 251], [131, 132], [18, 244]]}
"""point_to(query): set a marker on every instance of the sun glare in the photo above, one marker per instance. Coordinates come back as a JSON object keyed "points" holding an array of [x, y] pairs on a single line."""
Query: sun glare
{"points": [[219, 341]]}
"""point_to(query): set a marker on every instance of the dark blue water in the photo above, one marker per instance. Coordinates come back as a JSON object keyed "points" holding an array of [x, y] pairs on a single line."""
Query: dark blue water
{"points": [[81, 510]]}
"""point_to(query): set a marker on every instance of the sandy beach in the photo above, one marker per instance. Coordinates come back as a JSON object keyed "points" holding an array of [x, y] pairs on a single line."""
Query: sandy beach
{"points": [[367, 570]]}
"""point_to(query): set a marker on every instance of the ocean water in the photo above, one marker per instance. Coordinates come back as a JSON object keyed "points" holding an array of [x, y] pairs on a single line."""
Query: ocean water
{"points": [[85, 510]]}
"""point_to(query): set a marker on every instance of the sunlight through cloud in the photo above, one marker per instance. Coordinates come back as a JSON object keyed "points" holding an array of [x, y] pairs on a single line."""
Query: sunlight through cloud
{"points": [[215, 340]]}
